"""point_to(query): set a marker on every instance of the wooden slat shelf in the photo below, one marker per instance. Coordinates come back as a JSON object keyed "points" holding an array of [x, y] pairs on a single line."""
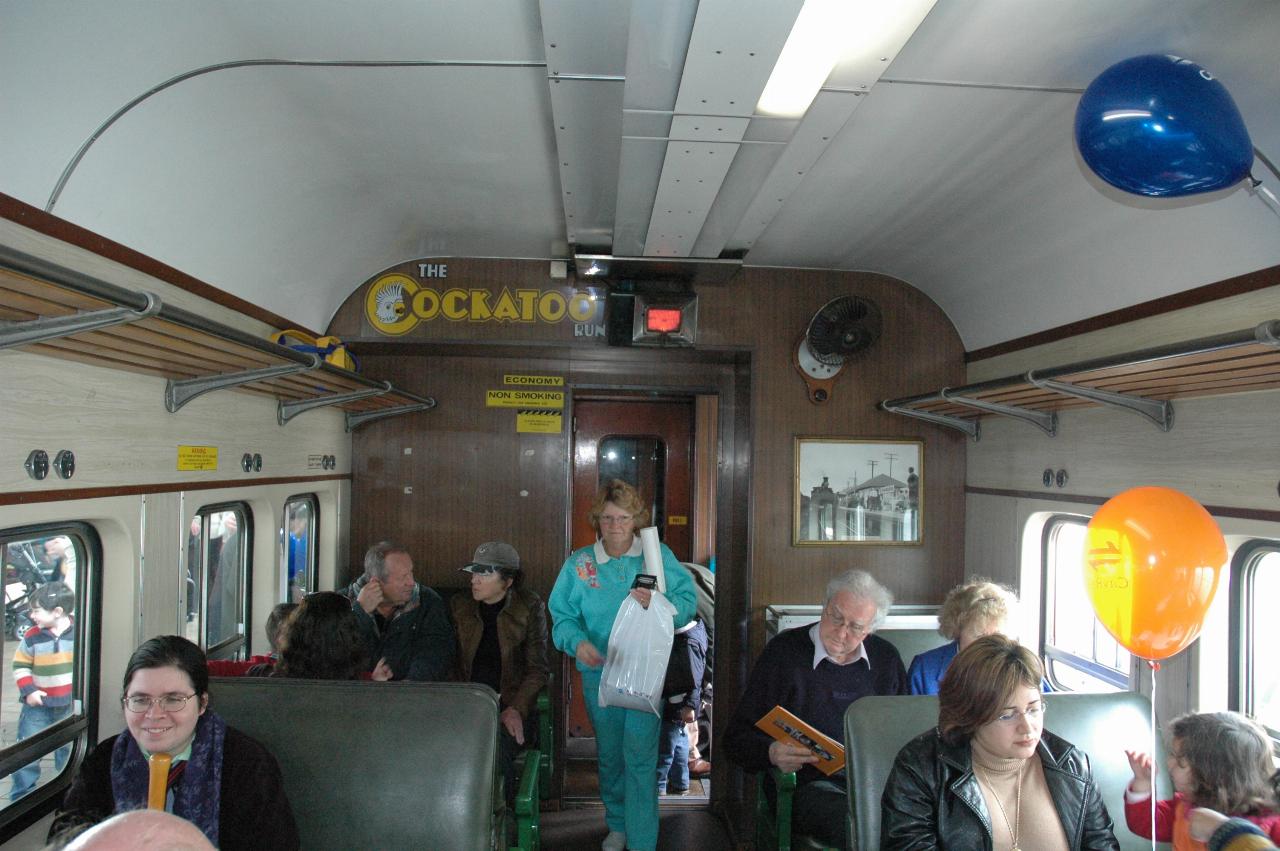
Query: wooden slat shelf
{"points": [[173, 344], [1239, 362]]}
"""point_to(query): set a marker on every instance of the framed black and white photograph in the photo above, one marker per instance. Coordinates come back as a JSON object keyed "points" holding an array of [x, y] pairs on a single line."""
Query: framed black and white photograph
{"points": [[852, 491]]}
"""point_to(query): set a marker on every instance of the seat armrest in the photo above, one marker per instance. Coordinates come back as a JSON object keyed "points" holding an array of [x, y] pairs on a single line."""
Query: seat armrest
{"points": [[528, 836]]}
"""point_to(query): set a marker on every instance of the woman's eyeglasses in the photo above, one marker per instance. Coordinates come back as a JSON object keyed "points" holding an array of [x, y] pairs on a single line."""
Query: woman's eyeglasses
{"points": [[167, 702], [615, 519], [1033, 714]]}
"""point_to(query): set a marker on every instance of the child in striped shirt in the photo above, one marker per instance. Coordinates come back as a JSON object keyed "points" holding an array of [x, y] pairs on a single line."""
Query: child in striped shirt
{"points": [[43, 666]]}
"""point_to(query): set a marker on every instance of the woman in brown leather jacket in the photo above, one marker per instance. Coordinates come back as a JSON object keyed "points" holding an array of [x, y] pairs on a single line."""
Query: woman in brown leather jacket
{"points": [[989, 778], [502, 642]]}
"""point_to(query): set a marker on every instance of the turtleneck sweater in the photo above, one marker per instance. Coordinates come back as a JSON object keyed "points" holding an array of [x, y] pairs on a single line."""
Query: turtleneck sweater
{"points": [[1035, 819]]}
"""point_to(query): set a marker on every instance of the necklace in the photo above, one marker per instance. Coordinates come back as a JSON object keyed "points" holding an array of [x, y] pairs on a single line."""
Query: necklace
{"points": [[1017, 807]]}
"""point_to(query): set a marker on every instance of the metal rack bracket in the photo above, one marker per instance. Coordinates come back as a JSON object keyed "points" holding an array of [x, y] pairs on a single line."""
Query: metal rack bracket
{"points": [[969, 427], [179, 393], [286, 411], [52, 327], [1159, 411], [354, 421], [1046, 421]]}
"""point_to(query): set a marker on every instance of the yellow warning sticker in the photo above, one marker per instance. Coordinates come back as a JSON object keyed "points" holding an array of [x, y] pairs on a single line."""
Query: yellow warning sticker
{"points": [[524, 398], [539, 422], [677, 520], [197, 458], [533, 380]]}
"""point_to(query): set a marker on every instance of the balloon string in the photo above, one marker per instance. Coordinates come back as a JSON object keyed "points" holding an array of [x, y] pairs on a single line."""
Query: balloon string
{"points": [[1155, 666], [1268, 197]]}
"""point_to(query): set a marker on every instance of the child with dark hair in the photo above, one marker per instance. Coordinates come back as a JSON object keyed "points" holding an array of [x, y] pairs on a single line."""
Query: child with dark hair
{"points": [[1219, 760], [43, 666], [260, 664]]}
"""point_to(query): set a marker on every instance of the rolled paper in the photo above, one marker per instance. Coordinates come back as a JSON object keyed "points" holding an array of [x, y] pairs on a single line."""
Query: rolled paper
{"points": [[653, 555], [158, 786]]}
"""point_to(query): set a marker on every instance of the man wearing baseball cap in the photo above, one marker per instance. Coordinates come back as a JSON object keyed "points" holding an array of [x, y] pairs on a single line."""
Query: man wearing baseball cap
{"points": [[502, 642]]}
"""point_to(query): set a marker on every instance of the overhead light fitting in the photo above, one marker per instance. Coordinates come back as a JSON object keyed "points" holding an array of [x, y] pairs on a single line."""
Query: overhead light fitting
{"points": [[807, 58]]}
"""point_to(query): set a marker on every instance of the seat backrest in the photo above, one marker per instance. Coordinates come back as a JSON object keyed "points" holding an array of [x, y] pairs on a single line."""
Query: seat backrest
{"points": [[875, 729], [911, 642], [1101, 725], [374, 765]]}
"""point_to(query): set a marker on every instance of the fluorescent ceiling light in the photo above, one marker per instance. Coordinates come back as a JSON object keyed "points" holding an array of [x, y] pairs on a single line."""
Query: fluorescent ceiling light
{"points": [[817, 41]]}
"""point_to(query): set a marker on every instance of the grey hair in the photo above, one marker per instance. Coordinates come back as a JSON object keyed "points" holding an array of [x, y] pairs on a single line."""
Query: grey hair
{"points": [[859, 583], [375, 560]]}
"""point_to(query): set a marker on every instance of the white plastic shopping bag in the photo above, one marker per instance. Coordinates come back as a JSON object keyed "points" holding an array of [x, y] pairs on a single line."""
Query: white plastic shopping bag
{"points": [[639, 647]]}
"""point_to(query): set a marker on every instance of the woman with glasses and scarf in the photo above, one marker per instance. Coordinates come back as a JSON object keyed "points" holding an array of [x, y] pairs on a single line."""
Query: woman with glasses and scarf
{"points": [[989, 777], [593, 583], [222, 781]]}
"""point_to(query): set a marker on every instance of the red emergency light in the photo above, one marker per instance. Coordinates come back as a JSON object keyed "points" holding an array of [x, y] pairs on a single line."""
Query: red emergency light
{"points": [[662, 320]]}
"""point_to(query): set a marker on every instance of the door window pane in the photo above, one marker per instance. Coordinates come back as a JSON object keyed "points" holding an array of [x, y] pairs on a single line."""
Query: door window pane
{"points": [[640, 462], [218, 573], [299, 552]]}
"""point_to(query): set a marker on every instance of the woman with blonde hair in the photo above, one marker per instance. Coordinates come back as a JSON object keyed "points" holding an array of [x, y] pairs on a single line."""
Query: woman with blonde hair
{"points": [[971, 610], [593, 583]]}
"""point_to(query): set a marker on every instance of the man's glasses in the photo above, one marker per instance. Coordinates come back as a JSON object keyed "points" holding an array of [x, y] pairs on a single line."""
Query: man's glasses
{"points": [[168, 702]]}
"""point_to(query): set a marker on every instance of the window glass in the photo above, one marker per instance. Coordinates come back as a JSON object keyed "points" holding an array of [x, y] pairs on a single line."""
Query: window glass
{"points": [[1262, 635], [42, 693], [639, 461], [218, 578], [1079, 653], [299, 551]]}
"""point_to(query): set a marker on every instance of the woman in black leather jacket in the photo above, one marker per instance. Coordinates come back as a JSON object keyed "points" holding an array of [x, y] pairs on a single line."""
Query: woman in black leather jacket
{"points": [[989, 778]]}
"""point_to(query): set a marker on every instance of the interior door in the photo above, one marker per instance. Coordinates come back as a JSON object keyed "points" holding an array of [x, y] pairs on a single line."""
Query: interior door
{"points": [[649, 444]]}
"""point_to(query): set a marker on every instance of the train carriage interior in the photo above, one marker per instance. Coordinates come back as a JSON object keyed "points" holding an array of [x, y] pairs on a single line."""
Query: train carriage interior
{"points": [[909, 286]]}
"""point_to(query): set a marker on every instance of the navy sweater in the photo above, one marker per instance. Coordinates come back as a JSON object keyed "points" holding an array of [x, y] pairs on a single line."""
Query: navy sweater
{"points": [[784, 675]]}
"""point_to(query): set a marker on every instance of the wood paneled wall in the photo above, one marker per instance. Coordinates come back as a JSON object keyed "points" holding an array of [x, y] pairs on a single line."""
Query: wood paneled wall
{"points": [[474, 478]]}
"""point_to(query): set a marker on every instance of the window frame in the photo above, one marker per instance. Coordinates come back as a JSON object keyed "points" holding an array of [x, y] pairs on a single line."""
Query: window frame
{"points": [[1049, 652], [236, 645], [79, 731], [1240, 619], [312, 499]]}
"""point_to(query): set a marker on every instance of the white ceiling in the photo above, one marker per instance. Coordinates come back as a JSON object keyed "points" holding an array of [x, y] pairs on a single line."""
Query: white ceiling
{"points": [[285, 151]]}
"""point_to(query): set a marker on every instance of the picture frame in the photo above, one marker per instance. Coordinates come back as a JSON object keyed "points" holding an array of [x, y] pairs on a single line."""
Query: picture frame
{"points": [[858, 491]]}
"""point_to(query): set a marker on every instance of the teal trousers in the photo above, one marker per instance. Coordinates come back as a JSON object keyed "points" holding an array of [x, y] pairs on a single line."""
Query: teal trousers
{"points": [[627, 755]]}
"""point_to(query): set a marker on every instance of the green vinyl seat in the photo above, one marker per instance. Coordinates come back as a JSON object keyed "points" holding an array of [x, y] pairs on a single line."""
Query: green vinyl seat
{"points": [[1101, 725], [374, 765]]}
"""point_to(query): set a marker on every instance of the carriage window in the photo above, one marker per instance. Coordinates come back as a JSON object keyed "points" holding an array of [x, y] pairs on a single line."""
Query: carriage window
{"points": [[301, 514], [45, 688], [1256, 585], [218, 571], [1079, 653]]}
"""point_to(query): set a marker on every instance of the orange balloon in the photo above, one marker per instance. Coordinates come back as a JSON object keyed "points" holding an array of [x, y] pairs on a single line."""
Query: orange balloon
{"points": [[1152, 557]]}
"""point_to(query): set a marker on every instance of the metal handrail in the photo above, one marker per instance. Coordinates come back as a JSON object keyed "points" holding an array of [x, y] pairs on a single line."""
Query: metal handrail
{"points": [[1267, 333]]}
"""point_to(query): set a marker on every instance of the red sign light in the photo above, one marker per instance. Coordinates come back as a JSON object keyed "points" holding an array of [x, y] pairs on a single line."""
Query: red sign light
{"points": [[662, 320]]}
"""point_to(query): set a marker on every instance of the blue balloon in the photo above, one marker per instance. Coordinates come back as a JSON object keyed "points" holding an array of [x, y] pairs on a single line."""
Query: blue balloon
{"points": [[1162, 126]]}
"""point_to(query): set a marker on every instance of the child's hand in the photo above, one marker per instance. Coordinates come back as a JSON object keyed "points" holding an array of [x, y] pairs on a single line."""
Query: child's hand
{"points": [[36, 698], [1140, 762]]}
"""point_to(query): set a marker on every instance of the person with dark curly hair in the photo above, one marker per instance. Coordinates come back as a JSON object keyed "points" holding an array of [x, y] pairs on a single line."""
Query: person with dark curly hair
{"points": [[322, 641]]}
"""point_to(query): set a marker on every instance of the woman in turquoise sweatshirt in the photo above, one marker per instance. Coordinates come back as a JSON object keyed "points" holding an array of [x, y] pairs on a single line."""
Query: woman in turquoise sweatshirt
{"points": [[593, 583]]}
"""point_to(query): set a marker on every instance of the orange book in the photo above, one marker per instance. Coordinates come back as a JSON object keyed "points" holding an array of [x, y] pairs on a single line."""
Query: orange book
{"points": [[786, 727]]}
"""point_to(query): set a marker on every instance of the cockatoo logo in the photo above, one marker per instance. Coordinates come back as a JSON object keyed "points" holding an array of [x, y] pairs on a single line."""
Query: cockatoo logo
{"points": [[388, 303]]}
